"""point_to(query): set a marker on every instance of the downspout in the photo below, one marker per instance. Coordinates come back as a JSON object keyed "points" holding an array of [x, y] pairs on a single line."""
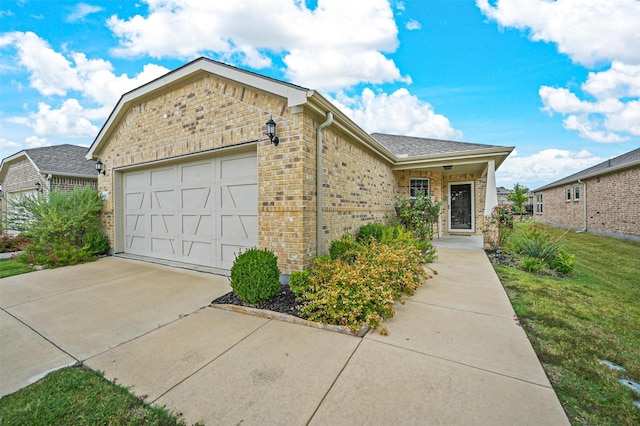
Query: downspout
{"points": [[584, 198], [320, 183]]}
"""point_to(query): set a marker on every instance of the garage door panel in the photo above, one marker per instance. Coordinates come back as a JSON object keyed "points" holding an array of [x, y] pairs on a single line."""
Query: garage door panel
{"points": [[196, 198], [163, 199], [134, 201], [163, 247], [238, 167], [163, 177], [199, 172], [201, 212]]}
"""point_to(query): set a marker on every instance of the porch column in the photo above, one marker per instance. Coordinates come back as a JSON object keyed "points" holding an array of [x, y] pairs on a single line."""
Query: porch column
{"points": [[491, 198]]}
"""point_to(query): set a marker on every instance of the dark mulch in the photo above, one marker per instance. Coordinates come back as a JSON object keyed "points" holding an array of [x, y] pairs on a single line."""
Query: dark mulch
{"points": [[285, 302], [499, 257]]}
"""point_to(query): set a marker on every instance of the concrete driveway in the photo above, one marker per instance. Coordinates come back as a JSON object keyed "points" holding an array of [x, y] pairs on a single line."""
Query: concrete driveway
{"points": [[454, 354]]}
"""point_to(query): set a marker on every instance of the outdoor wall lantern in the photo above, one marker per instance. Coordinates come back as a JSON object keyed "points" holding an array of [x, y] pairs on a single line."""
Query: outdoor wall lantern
{"points": [[39, 187], [99, 168], [271, 132]]}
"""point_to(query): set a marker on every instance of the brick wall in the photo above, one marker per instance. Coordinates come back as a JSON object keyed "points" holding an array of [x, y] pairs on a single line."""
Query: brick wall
{"points": [[62, 183], [613, 204]]}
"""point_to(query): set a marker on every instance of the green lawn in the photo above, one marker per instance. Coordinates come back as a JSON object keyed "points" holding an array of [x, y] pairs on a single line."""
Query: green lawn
{"points": [[10, 267], [75, 396], [576, 321]]}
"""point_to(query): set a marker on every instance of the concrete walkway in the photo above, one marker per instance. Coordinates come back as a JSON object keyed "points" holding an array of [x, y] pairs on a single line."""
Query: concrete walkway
{"points": [[454, 355]]}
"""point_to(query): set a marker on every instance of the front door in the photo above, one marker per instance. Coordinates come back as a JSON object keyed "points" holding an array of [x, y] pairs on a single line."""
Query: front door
{"points": [[461, 207]]}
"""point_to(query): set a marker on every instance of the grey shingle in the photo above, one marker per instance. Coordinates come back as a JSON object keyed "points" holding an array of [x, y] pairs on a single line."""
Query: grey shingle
{"points": [[62, 160], [413, 146]]}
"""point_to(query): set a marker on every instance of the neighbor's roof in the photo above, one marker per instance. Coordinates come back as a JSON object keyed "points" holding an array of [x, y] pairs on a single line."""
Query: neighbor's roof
{"points": [[629, 159], [412, 146], [62, 160]]}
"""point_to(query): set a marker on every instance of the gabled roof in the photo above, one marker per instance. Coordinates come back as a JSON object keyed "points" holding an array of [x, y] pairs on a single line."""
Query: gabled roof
{"points": [[624, 161], [399, 151], [61, 160]]}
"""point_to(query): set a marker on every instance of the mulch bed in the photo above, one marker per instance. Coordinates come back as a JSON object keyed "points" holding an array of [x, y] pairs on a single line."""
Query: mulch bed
{"points": [[285, 302]]}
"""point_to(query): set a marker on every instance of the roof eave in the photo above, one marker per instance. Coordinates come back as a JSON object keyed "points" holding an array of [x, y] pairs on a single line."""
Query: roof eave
{"points": [[452, 158], [565, 181]]}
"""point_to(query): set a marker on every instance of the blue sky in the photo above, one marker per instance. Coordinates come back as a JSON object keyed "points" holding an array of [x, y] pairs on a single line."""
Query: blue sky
{"points": [[559, 80]]}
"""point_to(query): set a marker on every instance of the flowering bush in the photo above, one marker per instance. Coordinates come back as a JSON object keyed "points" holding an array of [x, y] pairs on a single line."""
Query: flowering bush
{"points": [[362, 291], [499, 225]]}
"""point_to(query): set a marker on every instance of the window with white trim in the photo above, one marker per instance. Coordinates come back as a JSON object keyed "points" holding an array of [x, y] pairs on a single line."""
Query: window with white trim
{"points": [[576, 193], [417, 185], [567, 192], [539, 203]]}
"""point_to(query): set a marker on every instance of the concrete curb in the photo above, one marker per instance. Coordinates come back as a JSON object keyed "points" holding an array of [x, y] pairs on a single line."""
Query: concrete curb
{"points": [[263, 313]]}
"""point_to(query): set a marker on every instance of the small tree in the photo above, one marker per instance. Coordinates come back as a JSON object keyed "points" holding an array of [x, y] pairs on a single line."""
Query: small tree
{"points": [[518, 197]]}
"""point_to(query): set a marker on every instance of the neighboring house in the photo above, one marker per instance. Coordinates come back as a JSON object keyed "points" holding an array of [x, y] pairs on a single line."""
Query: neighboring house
{"points": [[191, 177], [61, 167], [603, 199], [502, 194]]}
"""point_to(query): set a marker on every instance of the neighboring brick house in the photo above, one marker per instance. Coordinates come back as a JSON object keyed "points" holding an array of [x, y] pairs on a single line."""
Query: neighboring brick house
{"points": [[191, 177], [603, 199], [61, 167]]}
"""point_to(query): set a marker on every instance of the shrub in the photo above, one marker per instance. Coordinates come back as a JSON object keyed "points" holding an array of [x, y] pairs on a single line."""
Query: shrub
{"points": [[371, 231], [298, 282], [9, 243], [255, 276], [343, 248], [55, 223], [96, 242], [532, 264], [563, 262], [419, 214], [500, 223], [363, 291]]}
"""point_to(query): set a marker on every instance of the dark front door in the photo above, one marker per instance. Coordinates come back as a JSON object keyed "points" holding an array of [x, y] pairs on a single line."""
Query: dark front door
{"points": [[461, 207]]}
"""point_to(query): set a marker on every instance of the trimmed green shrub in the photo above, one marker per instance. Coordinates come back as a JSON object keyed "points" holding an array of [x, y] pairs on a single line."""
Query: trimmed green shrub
{"points": [[298, 282], [255, 276], [343, 248], [532, 264], [371, 231], [96, 242], [563, 262]]}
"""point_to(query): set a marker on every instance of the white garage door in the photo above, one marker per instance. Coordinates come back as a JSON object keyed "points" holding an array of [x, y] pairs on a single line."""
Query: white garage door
{"points": [[201, 212]]}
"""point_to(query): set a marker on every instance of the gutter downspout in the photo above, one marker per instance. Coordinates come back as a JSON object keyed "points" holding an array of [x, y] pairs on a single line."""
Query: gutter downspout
{"points": [[320, 183], [584, 197]]}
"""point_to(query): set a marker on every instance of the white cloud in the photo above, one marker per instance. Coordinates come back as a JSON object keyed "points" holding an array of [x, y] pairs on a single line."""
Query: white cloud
{"points": [[36, 142], [326, 41], [398, 113], [543, 167], [6, 143], [614, 113], [81, 11], [55, 75], [412, 25], [588, 31]]}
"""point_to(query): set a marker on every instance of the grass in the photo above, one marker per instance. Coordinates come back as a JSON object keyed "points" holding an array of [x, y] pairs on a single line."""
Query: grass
{"points": [[9, 267], [574, 322], [76, 396]]}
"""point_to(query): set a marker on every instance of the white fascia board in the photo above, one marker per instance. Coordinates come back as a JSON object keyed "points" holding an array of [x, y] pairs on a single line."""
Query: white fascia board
{"points": [[453, 158]]}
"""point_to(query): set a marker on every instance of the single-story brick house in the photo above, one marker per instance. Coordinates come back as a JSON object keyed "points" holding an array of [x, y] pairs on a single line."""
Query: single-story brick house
{"points": [[192, 178], [61, 167], [603, 199]]}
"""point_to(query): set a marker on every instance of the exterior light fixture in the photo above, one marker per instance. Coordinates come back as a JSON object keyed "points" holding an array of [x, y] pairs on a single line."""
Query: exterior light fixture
{"points": [[99, 168], [447, 167], [271, 132], [38, 187]]}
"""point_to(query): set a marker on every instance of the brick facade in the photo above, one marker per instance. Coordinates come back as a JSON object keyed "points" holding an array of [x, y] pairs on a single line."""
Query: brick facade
{"points": [[613, 204], [208, 115]]}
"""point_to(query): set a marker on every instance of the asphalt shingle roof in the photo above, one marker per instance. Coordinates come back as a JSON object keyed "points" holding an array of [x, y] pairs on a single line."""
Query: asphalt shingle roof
{"points": [[63, 160], [413, 146], [616, 162]]}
